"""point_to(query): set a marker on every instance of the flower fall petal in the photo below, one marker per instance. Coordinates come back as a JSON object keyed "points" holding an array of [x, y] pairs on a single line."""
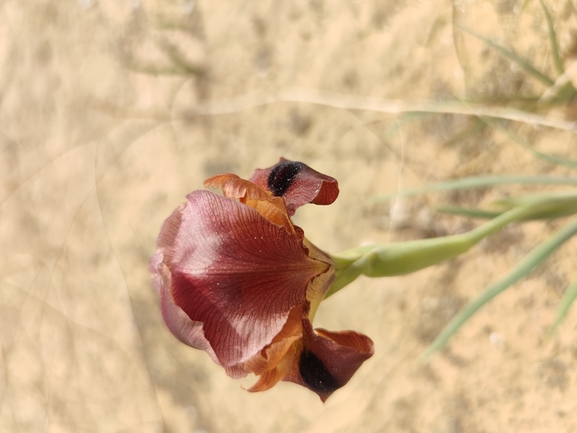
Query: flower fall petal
{"points": [[235, 272], [328, 360]]}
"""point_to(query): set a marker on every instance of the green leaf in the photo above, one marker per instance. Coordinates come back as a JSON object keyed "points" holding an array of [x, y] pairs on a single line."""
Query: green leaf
{"points": [[526, 66], [564, 305], [522, 269], [557, 62], [548, 157], [468, 212], [480, 182], [551, 205]]}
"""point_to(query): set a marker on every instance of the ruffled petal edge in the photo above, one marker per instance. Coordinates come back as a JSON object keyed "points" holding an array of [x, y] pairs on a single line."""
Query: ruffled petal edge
{"points": [[327, 360], [297, 184]]}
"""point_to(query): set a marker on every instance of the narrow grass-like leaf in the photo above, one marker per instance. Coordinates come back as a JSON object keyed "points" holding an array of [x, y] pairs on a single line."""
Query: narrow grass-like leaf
{"points": [[526, 66], [557, 62], [520, 270], [468, 212], [560, 212], [480, 182], [550, 158], [551, 205], [562, 92], [568, 299]]}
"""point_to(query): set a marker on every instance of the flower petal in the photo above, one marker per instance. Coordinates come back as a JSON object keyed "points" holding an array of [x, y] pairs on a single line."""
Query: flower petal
{"points": [[186, 330], [276, 360], [271, 355], [297, 183], [271, 377], [235, 272], [272, 208], [328, 359]]}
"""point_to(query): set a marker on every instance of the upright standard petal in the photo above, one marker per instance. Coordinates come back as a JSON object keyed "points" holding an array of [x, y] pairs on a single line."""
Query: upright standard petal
{"points": [[234, 272], [272, 208], [297, 183]]}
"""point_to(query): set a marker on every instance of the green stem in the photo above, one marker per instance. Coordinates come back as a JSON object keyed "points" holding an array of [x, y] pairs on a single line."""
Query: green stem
{"points": [[406, 257]]}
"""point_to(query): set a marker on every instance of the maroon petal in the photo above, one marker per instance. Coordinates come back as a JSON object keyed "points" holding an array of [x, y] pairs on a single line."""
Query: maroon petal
{"points": [[186, 330], [297, 183], [235, 272], [328, 359]]}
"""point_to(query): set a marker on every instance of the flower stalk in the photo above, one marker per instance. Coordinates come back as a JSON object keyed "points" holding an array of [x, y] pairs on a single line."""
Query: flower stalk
{"points": [[403, 258], [406, 257]]}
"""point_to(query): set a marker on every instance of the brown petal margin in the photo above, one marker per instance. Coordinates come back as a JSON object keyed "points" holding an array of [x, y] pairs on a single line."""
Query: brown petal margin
{"points": [[328, 359], [275, 361], [271, 354], [297, 183], [272, 208], [233, 271]]}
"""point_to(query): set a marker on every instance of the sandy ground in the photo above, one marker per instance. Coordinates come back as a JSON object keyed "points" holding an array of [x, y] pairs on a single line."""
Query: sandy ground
{"points": [[101, 138]]}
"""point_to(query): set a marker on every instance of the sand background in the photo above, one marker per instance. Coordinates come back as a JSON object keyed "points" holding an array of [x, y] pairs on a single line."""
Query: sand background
{"points": [[101, 138]]}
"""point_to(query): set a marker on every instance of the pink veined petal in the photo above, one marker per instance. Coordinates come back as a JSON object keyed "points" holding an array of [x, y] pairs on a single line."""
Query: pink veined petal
{"points": [[187, 331], [235, 272]]}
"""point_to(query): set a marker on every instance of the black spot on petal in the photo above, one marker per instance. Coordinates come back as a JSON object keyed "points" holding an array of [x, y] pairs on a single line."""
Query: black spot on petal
{"points": [[315, 375], [282, 176]]}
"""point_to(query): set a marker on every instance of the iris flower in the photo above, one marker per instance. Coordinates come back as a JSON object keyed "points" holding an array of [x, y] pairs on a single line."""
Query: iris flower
{"points": [[239, 280]]}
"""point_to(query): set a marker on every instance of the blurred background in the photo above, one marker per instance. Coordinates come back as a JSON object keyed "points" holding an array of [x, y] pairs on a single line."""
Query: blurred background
{"points": [[112, 111]]}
